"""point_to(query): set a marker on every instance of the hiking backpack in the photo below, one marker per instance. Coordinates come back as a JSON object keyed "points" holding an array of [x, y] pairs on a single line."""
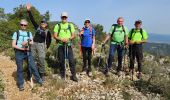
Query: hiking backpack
{"points": [[91, 31], [18, 34], [59, 28], [115, 25], [132, 32]]}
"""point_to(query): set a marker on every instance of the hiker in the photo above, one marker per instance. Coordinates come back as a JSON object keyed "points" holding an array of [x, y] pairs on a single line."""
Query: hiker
{"points": [[22, 40], [137, 36], [64, 34], [42, 40], [87, 36], [118, 36]]}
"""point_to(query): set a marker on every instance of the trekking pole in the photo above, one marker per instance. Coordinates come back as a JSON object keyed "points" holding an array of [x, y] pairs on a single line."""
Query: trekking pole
{"points": [[124, 59], [65, 57], [132, 70], [100, 56], [28, 54], [105, 52]]}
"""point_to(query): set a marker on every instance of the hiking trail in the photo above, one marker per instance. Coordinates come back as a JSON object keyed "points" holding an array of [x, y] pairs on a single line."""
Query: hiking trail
{"points": [[11, 92]]}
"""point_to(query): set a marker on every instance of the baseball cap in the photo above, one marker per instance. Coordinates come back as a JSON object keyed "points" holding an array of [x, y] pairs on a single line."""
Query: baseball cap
{"points": [[64, 14]]}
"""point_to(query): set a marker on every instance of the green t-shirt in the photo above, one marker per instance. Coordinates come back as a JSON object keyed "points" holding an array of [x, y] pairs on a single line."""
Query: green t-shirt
{"points": [[65, 30], [118, 35], [137, 36]]}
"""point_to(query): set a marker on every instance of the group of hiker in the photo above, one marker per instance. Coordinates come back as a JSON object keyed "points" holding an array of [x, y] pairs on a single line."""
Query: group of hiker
{"points": [[33, 48]]}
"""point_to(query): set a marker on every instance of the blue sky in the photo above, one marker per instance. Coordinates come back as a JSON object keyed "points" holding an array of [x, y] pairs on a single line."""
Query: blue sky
{"points": [[154, 13]]}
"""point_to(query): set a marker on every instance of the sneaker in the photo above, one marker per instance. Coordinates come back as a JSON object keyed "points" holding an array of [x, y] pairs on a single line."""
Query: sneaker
{"points": [[21, 88], [118, 73], [63, 77], [131, 73], [84, 69], [106, 73], [42, 75], [139, 76], [40, 82], [89, 73], [74, 78]]}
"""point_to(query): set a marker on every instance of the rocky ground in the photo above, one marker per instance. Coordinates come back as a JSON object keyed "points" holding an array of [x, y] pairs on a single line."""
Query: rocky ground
{"points": [[96, 87]]}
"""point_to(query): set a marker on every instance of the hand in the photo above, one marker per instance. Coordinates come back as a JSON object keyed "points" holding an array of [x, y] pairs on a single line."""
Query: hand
{"points": [[143, 41], [28, 6], [131, 42], [24, 43], [93, 47], [26, 49], [138, 42], [65, 40], [126, 46], [81, 33]]}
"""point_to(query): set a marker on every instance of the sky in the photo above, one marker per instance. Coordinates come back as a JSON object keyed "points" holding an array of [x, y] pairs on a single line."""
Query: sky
{"points": [[155, 14]]}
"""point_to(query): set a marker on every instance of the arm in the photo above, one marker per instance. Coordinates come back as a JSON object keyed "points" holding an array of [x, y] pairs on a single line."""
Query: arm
{"points": [[145, 36], [72, 36], [94, 39], [32, 20], [106, 39], [126, 39], [15, 46], [28, 6], [48, 39], [73, 32], [108, 35], [55, 35]]}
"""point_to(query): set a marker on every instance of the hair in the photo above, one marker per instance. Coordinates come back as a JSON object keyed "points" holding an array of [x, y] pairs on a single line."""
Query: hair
{"points": [[120, 18], [138, 22], [23, 21]]}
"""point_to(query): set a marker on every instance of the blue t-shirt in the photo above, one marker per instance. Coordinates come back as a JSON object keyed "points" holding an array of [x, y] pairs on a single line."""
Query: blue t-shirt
{"points": [[23, 36], [87, 37]]}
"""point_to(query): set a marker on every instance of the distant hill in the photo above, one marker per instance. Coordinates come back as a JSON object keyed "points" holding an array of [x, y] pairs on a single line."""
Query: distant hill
{"points": [[159, 44], [158, 49], [159, 38]]}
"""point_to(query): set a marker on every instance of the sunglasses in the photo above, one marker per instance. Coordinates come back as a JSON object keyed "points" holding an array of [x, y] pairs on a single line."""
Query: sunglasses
{"points": [[120, 21], [23, 25], [87, 21]]}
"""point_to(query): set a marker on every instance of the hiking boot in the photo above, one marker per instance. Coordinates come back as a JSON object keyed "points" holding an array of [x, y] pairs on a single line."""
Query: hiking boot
{"points": [[89, 73], [63, 77], [131, 73], [42, 75], [84, 69], [40, 82], [74, 78], [21, 88], [106, 73], [139, 76], [118, 73]]}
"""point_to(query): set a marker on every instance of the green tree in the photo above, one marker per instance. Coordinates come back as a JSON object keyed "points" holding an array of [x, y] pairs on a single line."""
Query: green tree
{"points": [[99, 32], [2, 15], [11, 23], [47, 15]]}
